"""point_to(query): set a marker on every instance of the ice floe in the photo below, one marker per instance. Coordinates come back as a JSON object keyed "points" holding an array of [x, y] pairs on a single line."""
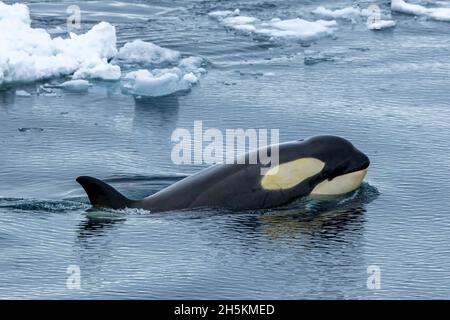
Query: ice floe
{"points": [[97, 69], [373, 14], [162, 82], [76, 85], [276, 28], [29, 54], [224, 13], [15, 11], [408, 8], [139, 51], [436, 13], [380, 24], [344, 13], [168, 74], [23, 93], [298, 28]]}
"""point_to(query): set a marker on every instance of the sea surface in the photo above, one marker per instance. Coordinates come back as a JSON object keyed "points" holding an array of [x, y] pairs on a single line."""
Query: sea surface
{"points": [[388, 92]]}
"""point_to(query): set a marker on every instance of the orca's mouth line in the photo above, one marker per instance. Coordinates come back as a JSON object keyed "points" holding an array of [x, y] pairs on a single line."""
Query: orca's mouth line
{"points": [[336, 174], [364, 166]]}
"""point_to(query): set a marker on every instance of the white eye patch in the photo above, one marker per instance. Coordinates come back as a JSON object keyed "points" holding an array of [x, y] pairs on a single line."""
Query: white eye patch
{"points": [[290, 174]]}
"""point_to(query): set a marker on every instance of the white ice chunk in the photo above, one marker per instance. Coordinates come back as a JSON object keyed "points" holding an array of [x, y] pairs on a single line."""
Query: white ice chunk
{"points": [[223, 13], [22, 93], [76, 85], [161, 82], [277, 28], [408, 8], [192, 64], [380, 24], [190, 77], [140, 51], [98, 69], [439, 13], [29, 54], [15, 11], [100, 42], [297, 28], [239, 20], [148, 84], [374, 21], [345, 13]]}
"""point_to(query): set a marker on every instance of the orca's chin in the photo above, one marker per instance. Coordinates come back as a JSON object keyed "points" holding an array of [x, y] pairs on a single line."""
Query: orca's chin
{"points": [[341, 184]]}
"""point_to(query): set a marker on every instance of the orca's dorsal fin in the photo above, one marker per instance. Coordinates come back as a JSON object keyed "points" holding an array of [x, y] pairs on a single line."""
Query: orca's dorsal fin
{"points": [[103, 195]]}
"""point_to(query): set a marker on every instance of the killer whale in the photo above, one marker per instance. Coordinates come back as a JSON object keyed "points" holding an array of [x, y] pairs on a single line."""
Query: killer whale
{"points": [[321, 165]]}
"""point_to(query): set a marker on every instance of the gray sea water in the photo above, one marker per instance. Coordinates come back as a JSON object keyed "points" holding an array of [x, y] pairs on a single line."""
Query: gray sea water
{"points": [[387, 92]]}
